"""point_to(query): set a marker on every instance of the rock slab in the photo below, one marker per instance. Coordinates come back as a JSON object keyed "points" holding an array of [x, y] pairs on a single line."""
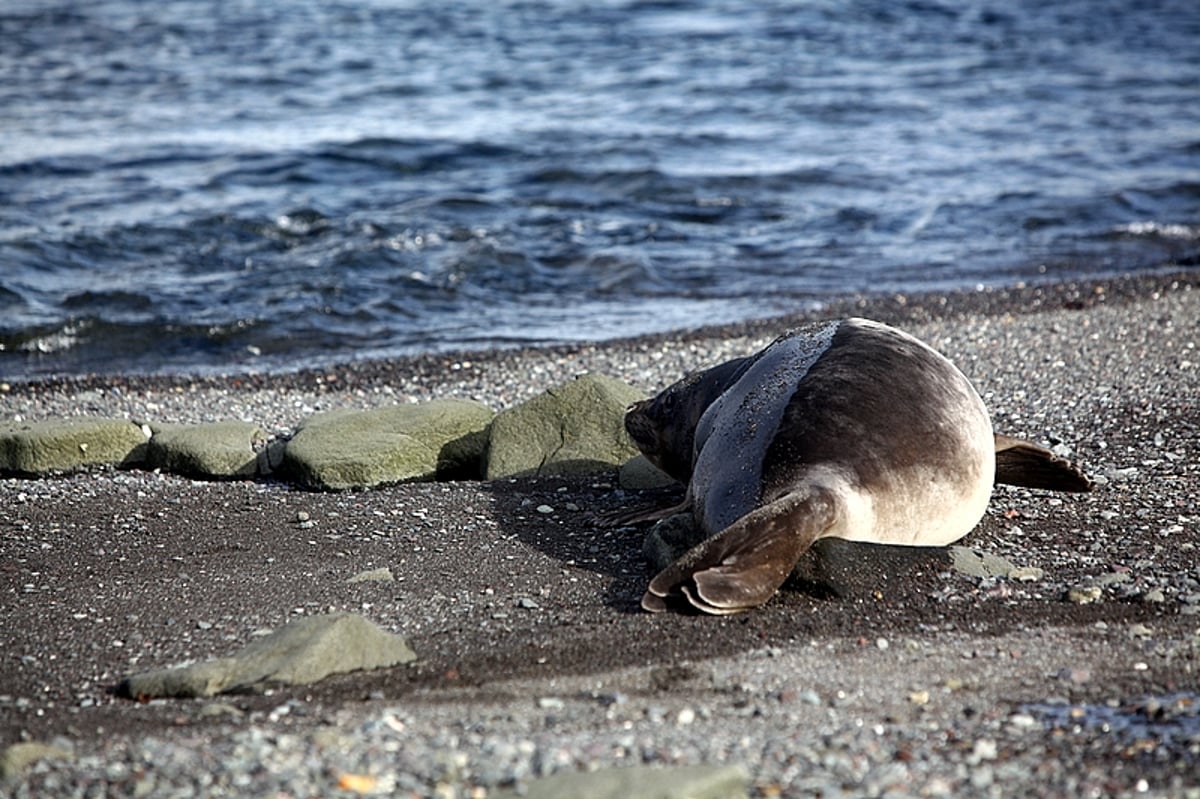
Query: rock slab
{"points": [[19, 757], [441, 439], [66, 445], [301, 652], [976, 563], [574, 429], [220, 450]]}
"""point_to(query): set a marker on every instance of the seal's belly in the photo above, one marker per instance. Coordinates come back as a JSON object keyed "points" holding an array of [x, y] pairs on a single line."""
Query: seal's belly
{"points": [[925, 512]]}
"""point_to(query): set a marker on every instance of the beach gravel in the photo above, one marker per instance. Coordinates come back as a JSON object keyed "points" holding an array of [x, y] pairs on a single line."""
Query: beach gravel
{"points": [[533, 659]]}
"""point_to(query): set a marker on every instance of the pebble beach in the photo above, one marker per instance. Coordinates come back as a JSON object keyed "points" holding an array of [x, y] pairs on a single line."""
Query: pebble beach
{"points": [[1079, 677]]}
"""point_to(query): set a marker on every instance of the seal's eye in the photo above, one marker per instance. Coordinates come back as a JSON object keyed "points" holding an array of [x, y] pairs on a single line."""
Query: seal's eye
{"points": [[666, 404]]}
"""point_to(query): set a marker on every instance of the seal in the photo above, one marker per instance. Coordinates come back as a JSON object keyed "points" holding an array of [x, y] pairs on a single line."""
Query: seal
{"points": [[845, 429]]}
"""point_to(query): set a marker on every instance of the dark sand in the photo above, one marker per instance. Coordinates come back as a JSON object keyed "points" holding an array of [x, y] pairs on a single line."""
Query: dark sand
{"points": [[105, 574]]}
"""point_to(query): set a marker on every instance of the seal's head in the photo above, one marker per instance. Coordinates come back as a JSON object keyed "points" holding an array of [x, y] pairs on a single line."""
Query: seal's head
{"points": [[649, 425], [664, 426]]}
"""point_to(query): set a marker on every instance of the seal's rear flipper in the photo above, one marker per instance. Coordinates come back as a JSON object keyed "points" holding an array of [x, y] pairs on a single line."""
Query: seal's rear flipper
{"points": [[1020, 463], [742, 566]]}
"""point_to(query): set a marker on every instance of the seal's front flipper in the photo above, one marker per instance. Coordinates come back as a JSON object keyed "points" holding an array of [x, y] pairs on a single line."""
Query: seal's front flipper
{"points": [[655, 511], [668, 540], [742, 566], [1020, 463]]}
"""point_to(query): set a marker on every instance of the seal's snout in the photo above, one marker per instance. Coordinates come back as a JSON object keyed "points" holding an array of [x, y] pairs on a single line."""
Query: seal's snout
{"points": [[641, 405], [639, 425]]}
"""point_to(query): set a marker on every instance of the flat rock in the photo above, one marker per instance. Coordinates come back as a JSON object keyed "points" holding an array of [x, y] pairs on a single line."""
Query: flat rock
{"points": [[975, 563], [66, 445], [380, 575], [640, 782], [301, 652], [441, 439], [220, 450], [574, 429], [20, 756]]}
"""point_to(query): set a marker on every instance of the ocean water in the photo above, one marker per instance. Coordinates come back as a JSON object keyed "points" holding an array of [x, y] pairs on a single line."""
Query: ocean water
{"points": [[225, 185]]}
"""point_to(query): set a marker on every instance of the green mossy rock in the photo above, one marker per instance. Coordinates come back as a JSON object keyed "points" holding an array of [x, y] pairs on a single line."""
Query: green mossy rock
{"points": [[67, 445], [19, 757], [220, 450], [301, 652], [442, 439], [574, 429]]}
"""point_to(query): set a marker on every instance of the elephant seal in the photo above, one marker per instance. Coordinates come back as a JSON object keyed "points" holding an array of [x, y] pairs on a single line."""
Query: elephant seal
{"points": [[847, 429]]}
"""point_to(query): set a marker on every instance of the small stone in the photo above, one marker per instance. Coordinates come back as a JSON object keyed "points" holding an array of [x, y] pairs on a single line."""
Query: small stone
{"points": [[1022, 721], [19, 757], [669, 782], [1111, 578], [985, 749], [527, 603], [545, 509], [1079, 676], [1085, 594], [550, 703], [1154, 595], [1026, 574], [380, 575], [218, 709], [302, 516], [881, 643], [358, 783], [685, 717], [982, 777], [919, 697]]}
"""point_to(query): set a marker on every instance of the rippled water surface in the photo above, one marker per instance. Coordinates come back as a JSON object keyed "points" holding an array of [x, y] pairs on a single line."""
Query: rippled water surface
{"points": [[205, 185]]}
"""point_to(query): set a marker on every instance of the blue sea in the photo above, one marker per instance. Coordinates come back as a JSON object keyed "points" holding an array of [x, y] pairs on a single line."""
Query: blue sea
{"points": [[211, 186]]}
